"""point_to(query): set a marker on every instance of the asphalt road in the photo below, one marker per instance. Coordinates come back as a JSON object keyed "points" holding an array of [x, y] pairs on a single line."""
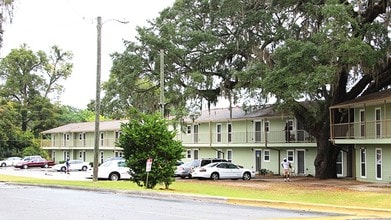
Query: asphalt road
{"points": [[41, 203]]}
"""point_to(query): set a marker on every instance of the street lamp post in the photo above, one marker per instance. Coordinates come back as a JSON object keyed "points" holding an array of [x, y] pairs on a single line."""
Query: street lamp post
{"points": [[98, 88]]}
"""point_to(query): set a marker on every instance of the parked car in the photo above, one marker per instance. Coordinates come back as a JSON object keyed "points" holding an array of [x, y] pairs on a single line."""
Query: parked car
{"points": [[205, 161], [114, 158], [113, 170], [34, 161], [10, 161], [185, 170], [222, 170], [78, 165]]}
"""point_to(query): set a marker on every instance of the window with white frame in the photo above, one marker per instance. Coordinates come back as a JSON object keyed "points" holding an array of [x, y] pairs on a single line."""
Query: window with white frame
{"points": [[219, 154], [218, 133], [362, 122], [117, 134], [229, 132], [379, 163], [378, 122], [290, 155], [267, 126], [188, 153], [102, 157], [101, 138], [340, 163], [266, 155], [195, 153], [66, 155], [188, 129], [54, 155], [363, 166], [229, 155]]}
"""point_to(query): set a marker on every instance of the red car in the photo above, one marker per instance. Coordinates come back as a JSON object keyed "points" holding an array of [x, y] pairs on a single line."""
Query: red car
{"points": [[34, 161]]}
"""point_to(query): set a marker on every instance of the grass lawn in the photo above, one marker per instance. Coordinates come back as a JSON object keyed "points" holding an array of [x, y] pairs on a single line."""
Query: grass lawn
{"points": [[277, 191]]}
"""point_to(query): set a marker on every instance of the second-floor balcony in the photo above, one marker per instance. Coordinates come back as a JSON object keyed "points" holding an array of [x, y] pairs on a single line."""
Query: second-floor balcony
{"points": [[379, 129], [293, 136], [87, 143]]}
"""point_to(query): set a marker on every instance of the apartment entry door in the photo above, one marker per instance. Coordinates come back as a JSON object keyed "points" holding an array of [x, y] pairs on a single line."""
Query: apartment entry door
{"points": [[258, 158], [300, 162]]}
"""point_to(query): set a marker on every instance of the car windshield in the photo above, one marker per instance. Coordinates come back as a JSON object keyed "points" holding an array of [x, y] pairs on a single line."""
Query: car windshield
{"points": [[211, 165], [106, 164]]}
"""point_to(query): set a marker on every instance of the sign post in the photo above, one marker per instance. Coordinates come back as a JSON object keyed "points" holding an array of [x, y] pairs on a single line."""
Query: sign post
{"points": [[148, 169]]}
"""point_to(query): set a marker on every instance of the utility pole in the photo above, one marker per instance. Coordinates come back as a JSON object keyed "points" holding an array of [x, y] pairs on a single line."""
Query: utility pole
{"points": [[162, 83], [98, 88], [97, 98]]}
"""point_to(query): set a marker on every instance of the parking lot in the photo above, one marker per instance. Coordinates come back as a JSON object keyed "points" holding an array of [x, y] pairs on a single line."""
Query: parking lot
{"points": [[47, 173]]}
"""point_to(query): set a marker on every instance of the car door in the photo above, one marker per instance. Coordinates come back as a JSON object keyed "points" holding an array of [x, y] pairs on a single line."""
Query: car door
{"points": [[223, 171], [75, 165], [234, 171]]}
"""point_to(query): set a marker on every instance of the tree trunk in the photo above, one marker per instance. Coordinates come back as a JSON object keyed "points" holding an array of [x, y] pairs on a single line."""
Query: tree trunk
{"points": [[325, 161]]}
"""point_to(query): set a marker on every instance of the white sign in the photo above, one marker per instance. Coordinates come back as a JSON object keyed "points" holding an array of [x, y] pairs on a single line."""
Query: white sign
{"points": [[149, 165]]}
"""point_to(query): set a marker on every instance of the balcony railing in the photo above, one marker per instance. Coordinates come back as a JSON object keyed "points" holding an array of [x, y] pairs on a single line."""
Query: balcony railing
{"points": [[362, 130], [294, 136], [77, 143]]}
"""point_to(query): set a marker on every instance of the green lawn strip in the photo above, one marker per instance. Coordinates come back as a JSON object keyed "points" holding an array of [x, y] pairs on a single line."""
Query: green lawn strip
{"points": [[280, 192]]}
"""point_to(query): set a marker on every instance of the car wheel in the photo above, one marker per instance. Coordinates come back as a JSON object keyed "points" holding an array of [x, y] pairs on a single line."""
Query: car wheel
{"points": [[246, 176], [114, 176], [214, 176], [3, 164], [25, 166], [190, 176], [63, 169], [84, 168], [46, 166]]}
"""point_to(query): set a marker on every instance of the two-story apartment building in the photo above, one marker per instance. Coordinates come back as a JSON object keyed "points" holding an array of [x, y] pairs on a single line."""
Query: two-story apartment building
{"points": [[257, 139], [366, 129], [77, 141]]}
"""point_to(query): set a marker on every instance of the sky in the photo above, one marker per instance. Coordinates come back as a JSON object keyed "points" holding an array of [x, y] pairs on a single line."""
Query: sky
{"points": [[71, 25]]}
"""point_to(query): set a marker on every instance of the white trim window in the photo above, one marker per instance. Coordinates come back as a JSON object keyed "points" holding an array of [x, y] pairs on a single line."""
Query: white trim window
{"points": [[219, 154], [362, 123], [290, 155], [266, 125], [266, 155], [363, 165], [102, 138], [378, 122], [188, 153], [218, 133], [229, 132], [65, 155], [188, 129], [102, 157], [195, 154], [378, 165], [54, 155], [229, 155], [340, 163]]}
